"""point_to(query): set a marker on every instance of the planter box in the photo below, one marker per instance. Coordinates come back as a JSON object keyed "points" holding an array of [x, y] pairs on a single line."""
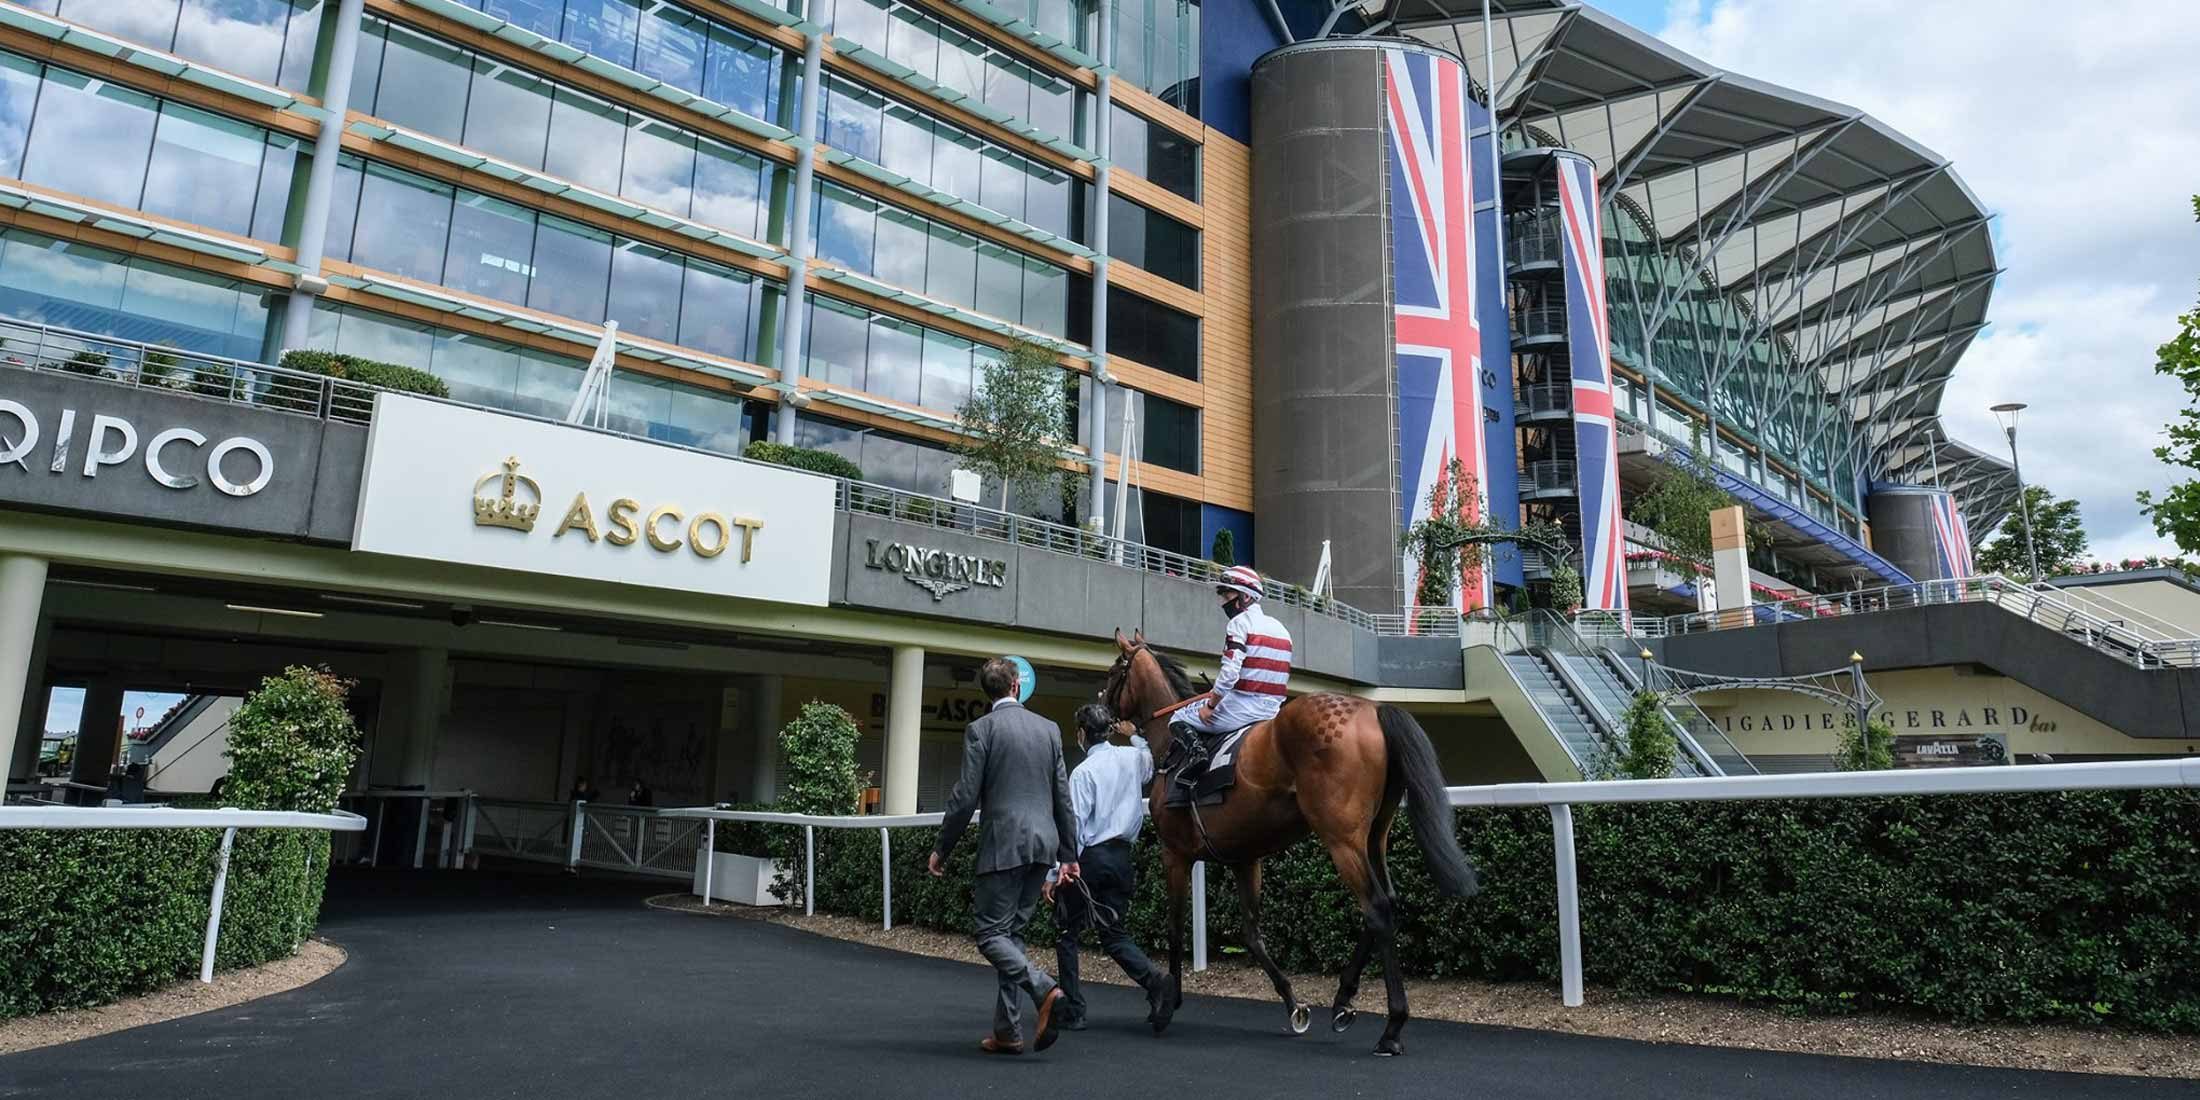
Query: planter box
{"points": [[746, 880]]}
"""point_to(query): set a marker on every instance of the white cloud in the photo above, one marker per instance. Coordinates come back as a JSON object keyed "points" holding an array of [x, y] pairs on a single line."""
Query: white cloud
{"points": [[2079, 124]]}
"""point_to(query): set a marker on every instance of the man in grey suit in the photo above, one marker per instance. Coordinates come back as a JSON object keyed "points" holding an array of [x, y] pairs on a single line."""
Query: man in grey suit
{"points": [[1012, 769]]}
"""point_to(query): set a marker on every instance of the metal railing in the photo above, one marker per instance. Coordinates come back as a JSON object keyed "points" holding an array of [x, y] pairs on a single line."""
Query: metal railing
{"points": [[156, 366], [149, 817], [636, 840], [1535, 321], [1542, 398], [1532, 241], [454, 836], [2137, 644], [1561, 798], [1547, 476]]}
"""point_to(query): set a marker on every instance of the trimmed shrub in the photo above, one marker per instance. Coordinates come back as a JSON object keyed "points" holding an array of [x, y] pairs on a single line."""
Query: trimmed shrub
{"points": [[2077, 908], [820, 751], [292, 743], [803, 458], [366, 372], [1872, 752], [1651, 748]]}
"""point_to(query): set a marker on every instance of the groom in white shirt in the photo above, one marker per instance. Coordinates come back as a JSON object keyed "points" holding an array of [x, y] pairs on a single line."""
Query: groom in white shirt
{"points": [[1108, 791]]}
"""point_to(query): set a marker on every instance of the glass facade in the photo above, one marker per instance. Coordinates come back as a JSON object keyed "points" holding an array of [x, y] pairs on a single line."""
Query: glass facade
{"points": [[946, 158], [665, 41], [91, 137], [1157, 48], [1152, 241], [270, 41], [1148, 332], [74, 285], [911, 36], [510, 113], [1153, 152], [924, 256]]}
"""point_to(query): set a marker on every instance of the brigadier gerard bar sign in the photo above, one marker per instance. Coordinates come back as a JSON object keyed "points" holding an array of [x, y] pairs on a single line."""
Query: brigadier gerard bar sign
{"points": [[461, 485]]}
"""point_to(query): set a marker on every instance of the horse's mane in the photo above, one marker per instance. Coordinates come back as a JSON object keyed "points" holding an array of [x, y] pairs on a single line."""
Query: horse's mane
{"points": [[1180, 684]]}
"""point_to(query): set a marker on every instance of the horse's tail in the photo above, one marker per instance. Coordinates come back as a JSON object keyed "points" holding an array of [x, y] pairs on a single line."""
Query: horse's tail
{"points": [[1413, 760]]}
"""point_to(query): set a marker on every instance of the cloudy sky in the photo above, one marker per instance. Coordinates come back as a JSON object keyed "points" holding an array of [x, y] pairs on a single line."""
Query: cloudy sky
{"points": [[2079, 124]]}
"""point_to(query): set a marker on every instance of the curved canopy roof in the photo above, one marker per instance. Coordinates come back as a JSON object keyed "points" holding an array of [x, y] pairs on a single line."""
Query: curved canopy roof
{"points": [[1857, 248]]}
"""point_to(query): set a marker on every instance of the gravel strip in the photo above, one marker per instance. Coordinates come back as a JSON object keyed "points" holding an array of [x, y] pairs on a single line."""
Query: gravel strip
{"points": [[1699, 1021], [314, 960]]}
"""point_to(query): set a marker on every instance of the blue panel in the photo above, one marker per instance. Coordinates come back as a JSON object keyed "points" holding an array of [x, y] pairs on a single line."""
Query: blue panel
{"points": [[1232, 35], [1499, 447], [1214, 517]]}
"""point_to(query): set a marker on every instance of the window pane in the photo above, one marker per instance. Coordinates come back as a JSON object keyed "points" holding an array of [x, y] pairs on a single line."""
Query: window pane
{"points": [[660, 165], [539, 16], [424, 85], [639, 405], [906, 143], [827, 435], [185, 308], [852, 119], [606, 28], [910, 41], [1000, 283], [897, 360], [715, 307], [846, 224], [1171, 436], [373, 336], [838, 334], [366, 70], [243, 36], [509, 115], [962, 62], [1046, 297], [901, 243], [1049, 205], [152, 22], [478, 369], [707, 419], [343, 207], [586, 136], [547, 383], [645, 291], [572, 268], [404, 221], [946, 372], [1005, 86], [671, 46], [491, 244], [271, 207], [1053, 108], [91, 138], [1002, 187], [729, 189], [298, 45], [204, 169], [957, 162], [18, 94], [738, 73], [60, 283], [862, 22], [951, 266]]}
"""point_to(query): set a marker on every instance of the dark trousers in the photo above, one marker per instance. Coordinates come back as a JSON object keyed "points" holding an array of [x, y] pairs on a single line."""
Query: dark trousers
{"points": [[1108, 872], [1005, 901]]}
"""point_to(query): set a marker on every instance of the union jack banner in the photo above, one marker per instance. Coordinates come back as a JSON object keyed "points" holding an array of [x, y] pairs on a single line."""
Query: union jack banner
{"points": [[1589, 347], [1951, 537], [1439, 342]]}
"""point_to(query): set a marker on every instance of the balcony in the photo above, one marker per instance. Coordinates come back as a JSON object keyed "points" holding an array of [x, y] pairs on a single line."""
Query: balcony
{"points": [[1533, 246], [1546, 480], [1544, 324], [1543, 401]]}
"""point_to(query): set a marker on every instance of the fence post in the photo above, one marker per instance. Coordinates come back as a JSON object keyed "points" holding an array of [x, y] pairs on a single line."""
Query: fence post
{"points": [[420, 834], [809, 870], [466, 839], [381, 811], [710, 855], [1569, 906], [214, 911], [573, 846], [1199, 915], [886, 873]]}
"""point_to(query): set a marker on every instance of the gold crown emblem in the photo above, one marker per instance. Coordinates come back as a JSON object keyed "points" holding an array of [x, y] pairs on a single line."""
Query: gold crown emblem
{"points": [[504, 508]]}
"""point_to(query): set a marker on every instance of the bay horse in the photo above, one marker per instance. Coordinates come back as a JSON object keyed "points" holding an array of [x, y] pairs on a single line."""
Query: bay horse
{"points": [[1327, 764]]}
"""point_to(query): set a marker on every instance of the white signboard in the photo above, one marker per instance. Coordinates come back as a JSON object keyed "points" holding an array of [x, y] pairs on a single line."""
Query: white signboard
{"points": [[452, 484]]}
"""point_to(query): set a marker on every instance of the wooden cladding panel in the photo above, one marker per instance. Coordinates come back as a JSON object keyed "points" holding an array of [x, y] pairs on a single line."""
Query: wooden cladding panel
{"points": [[1226, 334]]}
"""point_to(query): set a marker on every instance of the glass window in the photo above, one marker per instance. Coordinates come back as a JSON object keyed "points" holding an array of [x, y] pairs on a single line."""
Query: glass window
{"points": [[846, 223], [1002, 183], [946, 382], [738, 72], [1046, 297], [1171, 524], [1148, 332], [852, 119], [1171, 434], [509, 114], [492, 243], [838, 334], [540, 16], [1053, 107], [298, 45], [640, 405], [271, 209], [1156, 153], [911, 41], [424, 85], [605, 28], [729, 189], [478, 369], [957, 160], [91, 138], [862, 22], [1049, 205], [660, 165], [962, 62], [586, 136], [60, 283], [343, 206], [951, 265], [1000, 283], [572, 269], [187, 308], [366, 70], [901, 245], [404, 221], [672, 46], [1132, 48], [896, 363], [547, 383], [906, 143], [1006, 89], [715, 309], [373, 336], [243, 36], [204, 169], [152, 22], [1153, 241], [18, 95], [645, 291], [706, 418]]}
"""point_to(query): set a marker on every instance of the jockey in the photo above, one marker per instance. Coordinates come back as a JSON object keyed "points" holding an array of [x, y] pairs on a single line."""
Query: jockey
{"points": [[1256, 668]]}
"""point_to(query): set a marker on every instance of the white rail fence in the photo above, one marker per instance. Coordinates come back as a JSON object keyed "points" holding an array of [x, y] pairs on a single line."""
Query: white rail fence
{"points": [[227, 820], [452, 812]]}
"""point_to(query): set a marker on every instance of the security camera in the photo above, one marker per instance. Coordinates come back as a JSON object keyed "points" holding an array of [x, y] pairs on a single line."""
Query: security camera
{"points": [[462, 614]]}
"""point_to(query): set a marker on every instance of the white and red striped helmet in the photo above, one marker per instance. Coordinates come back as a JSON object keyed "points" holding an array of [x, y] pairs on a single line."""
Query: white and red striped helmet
{"points": [[1242, 580]]}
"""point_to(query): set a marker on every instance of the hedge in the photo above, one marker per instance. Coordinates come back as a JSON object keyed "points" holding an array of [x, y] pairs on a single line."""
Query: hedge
{"points": [[803, 458], [2075, 908], [368, 372]]}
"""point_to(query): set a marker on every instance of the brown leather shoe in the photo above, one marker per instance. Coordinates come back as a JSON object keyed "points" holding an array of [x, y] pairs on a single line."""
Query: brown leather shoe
{"points": [[1049, 1028], [991, 1045]]}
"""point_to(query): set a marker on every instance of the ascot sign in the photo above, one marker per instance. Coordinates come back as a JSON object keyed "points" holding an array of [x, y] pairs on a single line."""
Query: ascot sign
{"points": [[447, 483]]}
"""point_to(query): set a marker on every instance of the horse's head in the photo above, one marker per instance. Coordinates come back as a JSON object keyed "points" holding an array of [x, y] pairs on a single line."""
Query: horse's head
{"points": [[1117, 692], [1142, 680]]}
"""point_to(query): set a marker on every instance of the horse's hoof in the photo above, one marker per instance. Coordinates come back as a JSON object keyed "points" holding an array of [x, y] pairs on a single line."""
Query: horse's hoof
{"points": [[1387, 1047], [1342, 1020], [1302, 1018]]}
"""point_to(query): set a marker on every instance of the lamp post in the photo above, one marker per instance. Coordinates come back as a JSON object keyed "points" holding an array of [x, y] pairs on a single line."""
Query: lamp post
{"points": [[2006, 412]]}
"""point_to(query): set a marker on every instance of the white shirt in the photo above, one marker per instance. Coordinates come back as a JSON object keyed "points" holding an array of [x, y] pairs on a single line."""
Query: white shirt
{"points": [[1108, 791]]}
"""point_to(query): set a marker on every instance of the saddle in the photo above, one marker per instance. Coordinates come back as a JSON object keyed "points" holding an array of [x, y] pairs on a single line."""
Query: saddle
{"points": [[1201, 766]]}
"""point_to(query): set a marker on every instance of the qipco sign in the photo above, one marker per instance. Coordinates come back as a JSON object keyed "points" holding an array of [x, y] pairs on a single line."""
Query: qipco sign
{"points": [[175, 457]]}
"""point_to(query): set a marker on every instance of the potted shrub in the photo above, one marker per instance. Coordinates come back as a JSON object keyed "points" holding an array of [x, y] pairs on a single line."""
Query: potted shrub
{"points": [[742, 869]]}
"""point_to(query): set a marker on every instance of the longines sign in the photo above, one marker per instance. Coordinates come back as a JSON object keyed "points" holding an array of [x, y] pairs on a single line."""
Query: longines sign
{"points": [[937, 571], [477, 488]]}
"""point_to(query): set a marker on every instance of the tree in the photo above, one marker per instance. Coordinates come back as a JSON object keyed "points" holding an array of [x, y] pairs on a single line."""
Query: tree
{"points": [[292, 743], [1224, 551], [1014, 419], [2057, 530], [1651, 747], [1448, 546], [1678, 506], [820, 750], [1873, 752], [2176, 514]]}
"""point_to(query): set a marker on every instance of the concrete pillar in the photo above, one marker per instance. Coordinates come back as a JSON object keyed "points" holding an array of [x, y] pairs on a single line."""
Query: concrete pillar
{"points": [[763, 712], [904, 730], [22, 591], [343, 50], [1102, 100], [412, 715], [98, 731], [31, 716], [727, 755], [1730, 564]]}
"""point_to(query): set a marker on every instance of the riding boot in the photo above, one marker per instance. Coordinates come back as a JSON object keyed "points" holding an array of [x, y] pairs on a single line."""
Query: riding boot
{"points": [[1189, 746]]}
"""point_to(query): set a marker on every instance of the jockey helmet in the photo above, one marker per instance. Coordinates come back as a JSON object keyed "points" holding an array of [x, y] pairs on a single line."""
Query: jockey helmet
{"points": [[1242, 580]]}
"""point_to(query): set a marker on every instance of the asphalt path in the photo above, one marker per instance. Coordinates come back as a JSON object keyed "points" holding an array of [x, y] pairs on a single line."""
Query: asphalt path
{"points": [[515, 985]]}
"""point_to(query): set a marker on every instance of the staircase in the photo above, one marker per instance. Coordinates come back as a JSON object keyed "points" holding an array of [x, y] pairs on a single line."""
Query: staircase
{"points": [[1569, 717]]}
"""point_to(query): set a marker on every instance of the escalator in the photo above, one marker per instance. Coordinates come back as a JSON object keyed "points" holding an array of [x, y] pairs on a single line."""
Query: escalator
{"points": [[1569, 717]]}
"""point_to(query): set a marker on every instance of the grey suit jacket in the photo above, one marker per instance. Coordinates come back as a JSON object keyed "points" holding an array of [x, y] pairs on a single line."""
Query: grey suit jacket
{"points": [[1012, 769]]}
